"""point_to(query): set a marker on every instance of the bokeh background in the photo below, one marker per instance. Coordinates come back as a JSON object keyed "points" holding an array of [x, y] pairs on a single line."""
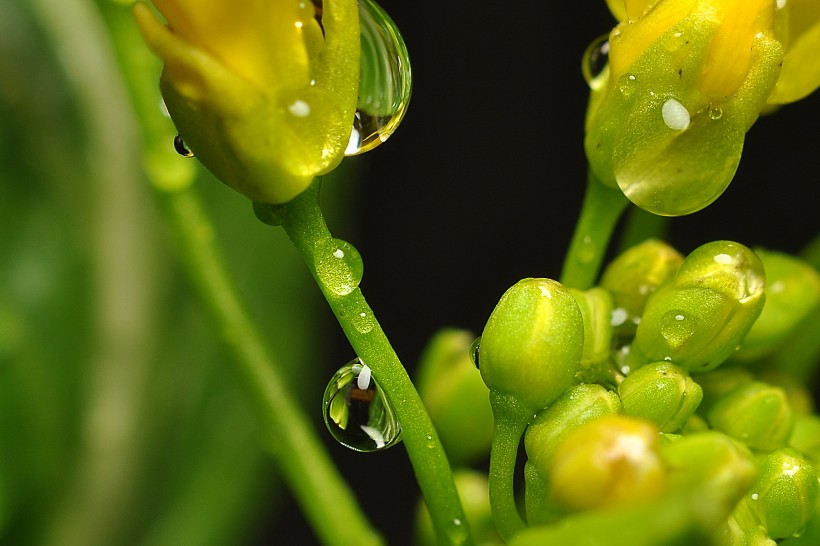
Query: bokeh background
{"points": [[120, 421]]}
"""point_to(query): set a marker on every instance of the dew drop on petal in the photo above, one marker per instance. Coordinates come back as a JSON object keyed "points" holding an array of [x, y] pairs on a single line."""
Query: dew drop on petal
{"points": [[675, 115], [357, 412], [384, 83], [475, 348], [676, 328], [339, 266], [594, 63], [181, 148]]}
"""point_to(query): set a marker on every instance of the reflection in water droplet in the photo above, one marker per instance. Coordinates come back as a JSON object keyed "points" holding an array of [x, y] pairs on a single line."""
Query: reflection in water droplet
{"points": [[181, 148], [357, 412], [677, 328], [384, 83], [339, 266], [595, 60], [475, 347]]}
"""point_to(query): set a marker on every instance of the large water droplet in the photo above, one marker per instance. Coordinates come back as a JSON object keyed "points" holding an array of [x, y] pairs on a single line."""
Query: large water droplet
{"points": [[384, 83], [677, 327], [357, 412], [595, 62], [475, 348], [181, 148], [339, 266]]}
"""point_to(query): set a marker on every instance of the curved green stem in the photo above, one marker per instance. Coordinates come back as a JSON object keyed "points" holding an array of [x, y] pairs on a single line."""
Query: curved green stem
{"points": [[510, 421], [601, 209], [326, 500], [303, 221]]}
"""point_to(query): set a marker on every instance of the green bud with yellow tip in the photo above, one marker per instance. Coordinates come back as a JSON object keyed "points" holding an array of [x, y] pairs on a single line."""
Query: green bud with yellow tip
{"points": [[757, 414], [634, 275], [596, 311], [661, 393], [716, 469], [532, 343], [606, 462], [455, 396], [792, 293], [698, 319], [786, 493], [578, 405]]}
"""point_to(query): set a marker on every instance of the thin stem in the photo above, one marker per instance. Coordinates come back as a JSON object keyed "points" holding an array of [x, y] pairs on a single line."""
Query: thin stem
{"points": [[303, 221], [601, 209], [324, 497], [510, 422]]}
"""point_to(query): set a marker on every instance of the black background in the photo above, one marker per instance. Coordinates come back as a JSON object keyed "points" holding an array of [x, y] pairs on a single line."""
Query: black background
{"points": [[482, 183]]}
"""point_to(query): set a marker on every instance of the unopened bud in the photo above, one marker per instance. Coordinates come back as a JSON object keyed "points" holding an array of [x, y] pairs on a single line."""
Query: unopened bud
{"points": [[661, 393], [757, 414]]}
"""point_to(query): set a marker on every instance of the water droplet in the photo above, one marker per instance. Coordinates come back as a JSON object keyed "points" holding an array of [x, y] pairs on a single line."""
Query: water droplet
{"points": [[475, 348], [755, 496], [595, 62], [626, 84], [384, 83], [357, 412], [363, 322], [715, 112], [339, 266], [676, 328], [181, 148], [675, 115]]}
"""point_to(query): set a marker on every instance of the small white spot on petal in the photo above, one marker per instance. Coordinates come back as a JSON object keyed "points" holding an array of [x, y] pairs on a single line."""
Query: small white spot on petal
{"points": [[299, 108], [675, 115], [618, 316], [781, 4], [679, 317], [339, 253], [723, 259], [545, 292], [755, 496]]}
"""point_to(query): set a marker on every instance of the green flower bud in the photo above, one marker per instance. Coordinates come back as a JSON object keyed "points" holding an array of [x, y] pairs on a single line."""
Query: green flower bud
{"points": [[661, 393], [792, 292], [596, 310], [757, 414], [805, 436], [634, 275], [532, 343], [455, 396], [699, 318], [786, 493], [578, 405], [718, 383], [472, 491], [606, 462], [715, 468]]}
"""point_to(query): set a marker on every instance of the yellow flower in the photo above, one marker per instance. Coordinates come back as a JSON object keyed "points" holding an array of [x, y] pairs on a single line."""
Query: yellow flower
{"points": [[686, 80], [262, 93]]}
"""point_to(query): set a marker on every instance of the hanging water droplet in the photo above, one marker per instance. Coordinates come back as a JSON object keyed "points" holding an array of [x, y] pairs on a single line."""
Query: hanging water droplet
{"points": [[595, 62], [357, 412], [181, 148], [339, 266], [475, 347], [384, 83]]}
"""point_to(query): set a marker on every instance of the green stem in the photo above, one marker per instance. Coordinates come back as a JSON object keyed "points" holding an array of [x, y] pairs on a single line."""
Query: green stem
{"points": [[601, 209], [303, 221], [324, 497], [510, 422]]}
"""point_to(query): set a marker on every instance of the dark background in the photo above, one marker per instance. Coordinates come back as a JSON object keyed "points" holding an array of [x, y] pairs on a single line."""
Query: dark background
{"points": [[482, 183]]}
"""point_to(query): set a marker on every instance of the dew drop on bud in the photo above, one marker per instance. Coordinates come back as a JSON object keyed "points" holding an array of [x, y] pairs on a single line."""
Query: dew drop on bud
{"points": [[339, 266], [357, 412], [181, 148], [384, 83], [475, 347], [595, 61]]}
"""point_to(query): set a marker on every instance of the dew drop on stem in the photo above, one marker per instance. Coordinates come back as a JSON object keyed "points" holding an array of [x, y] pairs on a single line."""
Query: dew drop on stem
{"points": [[357, 412], [339, 266]]}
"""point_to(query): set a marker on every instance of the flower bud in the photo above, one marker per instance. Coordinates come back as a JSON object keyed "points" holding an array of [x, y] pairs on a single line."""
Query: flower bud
{"points": [[718, 383], [716, 468], [786, 493], [798, 27], [532, 343], [609, 461], [757, 414], [686, 80], [634, 275], [792, 293], [661, 393], [698, 319], [595, 305], [455, 396], [578, 405], [805, 437]]}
